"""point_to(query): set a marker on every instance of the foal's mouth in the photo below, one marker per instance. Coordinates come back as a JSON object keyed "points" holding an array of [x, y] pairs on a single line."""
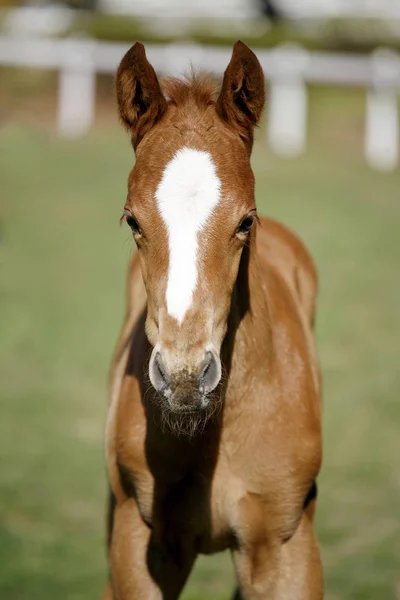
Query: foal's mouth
{"points": [[187, 403], [187, 416]]}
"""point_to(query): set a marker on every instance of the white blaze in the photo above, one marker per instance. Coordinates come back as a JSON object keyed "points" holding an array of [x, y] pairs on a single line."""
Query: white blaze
{"points": [[186, 195]]}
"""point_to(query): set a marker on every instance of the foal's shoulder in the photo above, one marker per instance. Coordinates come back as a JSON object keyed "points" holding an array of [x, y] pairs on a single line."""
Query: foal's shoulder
{"points": [[283, 249]]}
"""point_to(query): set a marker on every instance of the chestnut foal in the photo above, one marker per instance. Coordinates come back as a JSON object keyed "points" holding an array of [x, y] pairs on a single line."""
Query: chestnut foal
{"points": [[214, 431]]}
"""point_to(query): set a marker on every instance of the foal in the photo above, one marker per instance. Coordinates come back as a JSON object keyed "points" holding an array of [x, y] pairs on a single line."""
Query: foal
{"points": [[213, 434]]}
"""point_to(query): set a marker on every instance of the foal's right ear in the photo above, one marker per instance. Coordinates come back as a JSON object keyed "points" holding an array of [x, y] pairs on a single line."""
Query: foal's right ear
{"points": [[141, 102]]}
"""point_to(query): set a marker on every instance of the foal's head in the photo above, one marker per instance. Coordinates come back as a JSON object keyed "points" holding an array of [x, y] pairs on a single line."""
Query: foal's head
{"points": [[191, 209]]}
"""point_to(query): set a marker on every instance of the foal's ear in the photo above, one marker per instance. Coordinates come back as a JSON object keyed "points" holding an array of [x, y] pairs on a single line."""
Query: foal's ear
{"points": [[141, 102], [241, 100]]}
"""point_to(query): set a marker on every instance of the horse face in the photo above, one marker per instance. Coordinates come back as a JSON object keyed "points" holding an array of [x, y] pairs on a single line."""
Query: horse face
{"points": [[191, 209]]}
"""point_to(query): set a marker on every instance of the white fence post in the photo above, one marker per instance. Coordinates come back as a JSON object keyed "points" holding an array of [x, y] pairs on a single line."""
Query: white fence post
{"points": [[183, 57], [77, 89], [287, 101], [382, 122]]}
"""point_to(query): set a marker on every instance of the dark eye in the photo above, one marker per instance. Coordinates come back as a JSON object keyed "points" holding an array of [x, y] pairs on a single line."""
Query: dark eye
{"points": [[246, 224], [133, 224]]}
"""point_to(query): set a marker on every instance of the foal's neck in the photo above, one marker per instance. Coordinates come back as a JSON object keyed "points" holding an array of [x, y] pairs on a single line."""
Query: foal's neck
{"points": [[248, 344]]}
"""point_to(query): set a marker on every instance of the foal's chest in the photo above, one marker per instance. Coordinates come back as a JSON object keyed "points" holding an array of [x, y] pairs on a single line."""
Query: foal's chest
{"points": [[196, 508]]}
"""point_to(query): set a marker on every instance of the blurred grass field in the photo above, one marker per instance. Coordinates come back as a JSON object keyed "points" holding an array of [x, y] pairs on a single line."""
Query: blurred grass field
{"points": [[63, 264]]}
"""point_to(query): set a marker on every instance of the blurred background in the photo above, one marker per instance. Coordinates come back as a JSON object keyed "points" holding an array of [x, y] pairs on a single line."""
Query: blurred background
{"points": [[326, 160]]}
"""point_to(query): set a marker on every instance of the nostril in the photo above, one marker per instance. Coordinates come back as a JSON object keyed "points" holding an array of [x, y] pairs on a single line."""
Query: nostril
{"points": [[158, 375], [210, 373]]}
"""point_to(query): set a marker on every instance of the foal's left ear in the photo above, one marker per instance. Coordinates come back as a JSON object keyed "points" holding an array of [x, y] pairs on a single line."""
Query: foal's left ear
{"points": [[241, 100], [141, 102]]}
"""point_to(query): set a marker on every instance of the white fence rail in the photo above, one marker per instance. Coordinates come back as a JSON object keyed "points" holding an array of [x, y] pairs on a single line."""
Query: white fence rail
{"points": [[288, 69]]}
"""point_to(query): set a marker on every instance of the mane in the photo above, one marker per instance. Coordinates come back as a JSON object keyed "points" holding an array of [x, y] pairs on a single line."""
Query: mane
{"points": [[197, 88]]}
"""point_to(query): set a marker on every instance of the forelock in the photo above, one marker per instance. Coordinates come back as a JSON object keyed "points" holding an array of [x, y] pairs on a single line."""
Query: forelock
{"points": [[197, 88]]}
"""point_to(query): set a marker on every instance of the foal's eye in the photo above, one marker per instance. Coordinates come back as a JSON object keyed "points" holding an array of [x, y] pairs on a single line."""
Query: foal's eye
{"points": [[246, 224], [132, 222]]}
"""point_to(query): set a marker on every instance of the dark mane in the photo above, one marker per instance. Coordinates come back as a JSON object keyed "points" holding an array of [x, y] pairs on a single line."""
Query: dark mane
{"points": [[199, 88]]}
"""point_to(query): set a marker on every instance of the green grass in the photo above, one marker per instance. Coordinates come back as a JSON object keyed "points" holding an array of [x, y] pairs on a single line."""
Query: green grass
{"points": [[63, 260]]}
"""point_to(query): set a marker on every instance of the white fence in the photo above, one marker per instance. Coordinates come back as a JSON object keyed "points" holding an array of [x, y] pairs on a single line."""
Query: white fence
{"points": [[288, 69]]}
